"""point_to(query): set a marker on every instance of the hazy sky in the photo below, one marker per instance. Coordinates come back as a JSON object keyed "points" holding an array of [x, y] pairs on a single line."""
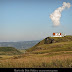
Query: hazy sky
{"points": [[29, 19]]}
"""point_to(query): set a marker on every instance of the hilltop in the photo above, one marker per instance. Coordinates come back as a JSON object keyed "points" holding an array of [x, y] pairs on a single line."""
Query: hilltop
{"points": [[9, 51], [52, 42]]}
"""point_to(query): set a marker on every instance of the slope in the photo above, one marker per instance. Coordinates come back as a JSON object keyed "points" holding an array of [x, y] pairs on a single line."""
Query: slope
{"points": [[9, 51], [53, 42]]}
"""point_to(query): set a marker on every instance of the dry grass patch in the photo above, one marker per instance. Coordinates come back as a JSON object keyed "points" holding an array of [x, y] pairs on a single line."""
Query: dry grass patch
{"points": [[38, 62]]}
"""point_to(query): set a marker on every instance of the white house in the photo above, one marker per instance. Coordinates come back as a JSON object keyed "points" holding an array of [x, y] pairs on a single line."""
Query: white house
{"points": [[57, 35]]}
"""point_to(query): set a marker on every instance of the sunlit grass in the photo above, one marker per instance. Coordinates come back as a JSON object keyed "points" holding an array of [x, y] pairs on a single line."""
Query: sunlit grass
{"points": [[38, 61], [56, 55]]}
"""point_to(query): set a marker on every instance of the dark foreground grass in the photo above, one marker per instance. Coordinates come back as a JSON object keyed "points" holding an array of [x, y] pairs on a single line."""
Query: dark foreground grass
{"points": [[53, 64], [32, 61]]}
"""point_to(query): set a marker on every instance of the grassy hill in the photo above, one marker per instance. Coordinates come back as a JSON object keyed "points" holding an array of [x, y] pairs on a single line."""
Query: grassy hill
{"points": [[53, 43], [51, 52], [9, 51]]}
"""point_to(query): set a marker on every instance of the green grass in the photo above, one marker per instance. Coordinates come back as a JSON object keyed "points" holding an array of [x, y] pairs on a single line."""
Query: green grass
{"points": [[59, 40], [9, 51], [55, 47]]}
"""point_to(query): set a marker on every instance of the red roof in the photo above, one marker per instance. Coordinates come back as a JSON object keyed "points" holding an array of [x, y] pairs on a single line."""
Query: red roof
{"points": [[53, 33]]}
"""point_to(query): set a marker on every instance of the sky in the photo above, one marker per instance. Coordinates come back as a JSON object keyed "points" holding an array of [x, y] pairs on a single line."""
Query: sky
{"points": [[25, 20]]}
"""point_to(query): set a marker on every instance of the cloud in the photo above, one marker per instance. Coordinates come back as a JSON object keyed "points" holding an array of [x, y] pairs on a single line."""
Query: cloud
{"points": [[56, 15]]}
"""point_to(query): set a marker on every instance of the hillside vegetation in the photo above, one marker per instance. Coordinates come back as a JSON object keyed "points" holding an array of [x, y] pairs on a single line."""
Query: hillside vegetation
{"points": [[53, 42], [9, 51], [51, 52]]}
